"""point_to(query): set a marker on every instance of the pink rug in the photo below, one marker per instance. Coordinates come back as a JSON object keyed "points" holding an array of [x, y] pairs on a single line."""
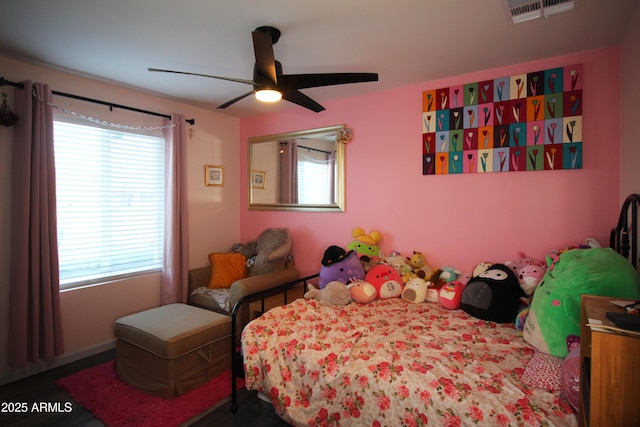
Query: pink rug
{"points": [[99, 390]]}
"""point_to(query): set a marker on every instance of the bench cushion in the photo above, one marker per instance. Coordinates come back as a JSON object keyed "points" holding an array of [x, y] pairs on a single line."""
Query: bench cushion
{"points": [[173, 330]]}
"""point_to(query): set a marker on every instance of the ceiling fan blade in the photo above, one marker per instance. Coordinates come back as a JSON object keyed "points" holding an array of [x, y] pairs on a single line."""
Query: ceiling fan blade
{"points": [[231, 79], [301, 99], [265, 61], [302, 81], [234, 100]]}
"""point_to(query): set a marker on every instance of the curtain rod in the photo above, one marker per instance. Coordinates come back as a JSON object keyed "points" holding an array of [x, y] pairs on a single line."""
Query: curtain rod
{"points": [[314, 149], [305, 147], [111, 105]]}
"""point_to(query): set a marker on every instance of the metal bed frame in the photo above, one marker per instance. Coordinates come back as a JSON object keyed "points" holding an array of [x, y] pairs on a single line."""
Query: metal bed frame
{"points": [[623, 238]]}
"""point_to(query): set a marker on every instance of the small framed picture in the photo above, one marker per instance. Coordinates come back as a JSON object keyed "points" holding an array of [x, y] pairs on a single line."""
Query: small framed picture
{"points": [[214, 175], [258, 178]]}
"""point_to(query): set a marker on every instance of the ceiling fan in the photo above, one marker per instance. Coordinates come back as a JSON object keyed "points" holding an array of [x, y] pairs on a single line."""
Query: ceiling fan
{"points": [[269, 84]]}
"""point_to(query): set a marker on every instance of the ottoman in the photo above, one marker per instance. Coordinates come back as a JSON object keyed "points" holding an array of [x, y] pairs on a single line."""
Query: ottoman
{"points": [[169, 350]]}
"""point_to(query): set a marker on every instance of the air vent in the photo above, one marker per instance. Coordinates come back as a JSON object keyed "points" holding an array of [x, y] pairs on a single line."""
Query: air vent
{"points": [[526, 10]]}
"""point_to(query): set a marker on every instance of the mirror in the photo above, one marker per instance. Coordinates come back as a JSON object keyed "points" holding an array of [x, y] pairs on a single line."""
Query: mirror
{"points": [[298, 171]]}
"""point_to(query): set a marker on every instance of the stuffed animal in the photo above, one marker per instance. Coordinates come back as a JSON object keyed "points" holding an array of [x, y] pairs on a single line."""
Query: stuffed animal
{"points": [[523, 312], [423, 270], [554, 313], [415, 290], [339, 265], [570, 376], [590, 242], [419, 264], [464, 277], [529, 271], [368, 262], [365, 244], [449, 274], [523, 261], [433, 292], [363, 292], [480, 268], [493, 295], [400, 264], [529, 277], [334, 293], [451, 294], [272, 246], [386, 280]]}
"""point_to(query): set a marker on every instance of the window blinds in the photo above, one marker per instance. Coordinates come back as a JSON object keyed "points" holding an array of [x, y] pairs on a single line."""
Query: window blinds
{"points": [[110, 203]]}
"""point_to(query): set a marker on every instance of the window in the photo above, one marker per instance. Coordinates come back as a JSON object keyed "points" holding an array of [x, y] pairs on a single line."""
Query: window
{"points": [[110, 201], [315, 169]]}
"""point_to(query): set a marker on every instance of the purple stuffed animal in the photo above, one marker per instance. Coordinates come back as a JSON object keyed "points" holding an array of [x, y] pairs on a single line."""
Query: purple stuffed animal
{"points": [[339, 265]]}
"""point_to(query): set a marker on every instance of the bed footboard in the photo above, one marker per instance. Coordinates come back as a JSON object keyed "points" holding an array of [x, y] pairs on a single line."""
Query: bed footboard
{"points": [[236, 353], [623, 238]]}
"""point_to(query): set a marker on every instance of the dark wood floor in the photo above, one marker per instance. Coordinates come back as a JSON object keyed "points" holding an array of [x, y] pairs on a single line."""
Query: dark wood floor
{"points": [[42, 388]]}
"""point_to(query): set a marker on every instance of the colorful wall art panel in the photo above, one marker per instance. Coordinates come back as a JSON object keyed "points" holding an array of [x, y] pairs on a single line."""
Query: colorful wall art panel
{"points": [[526, 122]]}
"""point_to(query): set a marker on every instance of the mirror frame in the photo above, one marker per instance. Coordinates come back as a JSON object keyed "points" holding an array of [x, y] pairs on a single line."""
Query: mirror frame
{"points": [[339, 206]]}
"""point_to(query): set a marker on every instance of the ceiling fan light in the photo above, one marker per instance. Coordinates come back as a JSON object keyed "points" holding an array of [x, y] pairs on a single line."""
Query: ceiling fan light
{"points": [[268, 95]]}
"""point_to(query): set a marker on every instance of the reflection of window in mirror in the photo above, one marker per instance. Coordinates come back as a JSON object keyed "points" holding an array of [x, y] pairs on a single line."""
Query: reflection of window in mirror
{"points": [[315, 176]]}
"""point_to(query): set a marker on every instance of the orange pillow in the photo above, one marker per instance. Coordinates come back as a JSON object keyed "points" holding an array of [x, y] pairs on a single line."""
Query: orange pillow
{"points": [[226, 268]]}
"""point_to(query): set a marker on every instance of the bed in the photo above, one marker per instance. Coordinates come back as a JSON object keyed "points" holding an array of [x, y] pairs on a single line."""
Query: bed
{"points": [[394, 363]]}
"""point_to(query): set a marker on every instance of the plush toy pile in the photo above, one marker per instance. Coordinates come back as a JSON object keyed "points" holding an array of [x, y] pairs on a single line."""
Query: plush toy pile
{"points": [[541, 297], [500, 292], [362, 269]]}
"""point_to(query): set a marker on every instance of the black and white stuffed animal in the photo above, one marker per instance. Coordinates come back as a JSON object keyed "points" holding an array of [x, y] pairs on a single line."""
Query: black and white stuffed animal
{"points": [[493, 295]]}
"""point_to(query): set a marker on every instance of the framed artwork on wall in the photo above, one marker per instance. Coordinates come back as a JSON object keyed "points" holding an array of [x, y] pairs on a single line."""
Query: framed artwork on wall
{"points": [[258, 179], [526, 122], [214, 175]]}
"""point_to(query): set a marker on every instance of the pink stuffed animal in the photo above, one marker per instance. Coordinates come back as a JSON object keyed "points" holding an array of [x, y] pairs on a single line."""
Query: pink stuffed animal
{"points": [[363, 292], [450, 294], [522, 261], [529, 278]]}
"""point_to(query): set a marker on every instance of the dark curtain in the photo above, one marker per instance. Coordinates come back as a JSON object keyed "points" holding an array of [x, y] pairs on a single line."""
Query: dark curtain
{"points": [[175, 270], [288, 172], [35, 329]]}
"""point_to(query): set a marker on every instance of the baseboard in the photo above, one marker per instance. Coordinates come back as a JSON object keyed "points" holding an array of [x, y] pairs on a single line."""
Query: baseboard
{"points": [[65, 359]]}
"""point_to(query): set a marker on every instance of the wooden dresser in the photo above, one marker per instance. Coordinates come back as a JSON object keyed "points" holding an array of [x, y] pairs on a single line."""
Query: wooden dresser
{"points": [[609, 369]]}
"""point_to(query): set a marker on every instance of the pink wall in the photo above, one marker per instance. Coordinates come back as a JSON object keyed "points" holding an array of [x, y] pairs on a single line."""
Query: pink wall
{"points": [[456, 220]]}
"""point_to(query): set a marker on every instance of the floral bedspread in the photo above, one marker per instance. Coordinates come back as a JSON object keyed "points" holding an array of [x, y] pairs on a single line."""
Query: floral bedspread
{"points": [[393, 363]]}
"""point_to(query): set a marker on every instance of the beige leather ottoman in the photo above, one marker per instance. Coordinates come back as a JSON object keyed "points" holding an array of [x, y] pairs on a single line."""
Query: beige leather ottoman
{"points": [[169, 350]]}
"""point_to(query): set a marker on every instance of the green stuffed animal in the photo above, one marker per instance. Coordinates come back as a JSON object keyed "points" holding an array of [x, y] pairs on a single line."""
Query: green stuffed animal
{"points": [[365, 244], [555, 309]]}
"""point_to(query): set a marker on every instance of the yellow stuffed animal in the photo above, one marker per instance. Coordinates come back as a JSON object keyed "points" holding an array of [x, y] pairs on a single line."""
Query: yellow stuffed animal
{"points": [[419, 264], [365, 244]]}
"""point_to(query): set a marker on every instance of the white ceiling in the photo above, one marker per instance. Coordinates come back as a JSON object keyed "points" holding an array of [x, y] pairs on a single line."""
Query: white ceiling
{"points": [[404, 41]]}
